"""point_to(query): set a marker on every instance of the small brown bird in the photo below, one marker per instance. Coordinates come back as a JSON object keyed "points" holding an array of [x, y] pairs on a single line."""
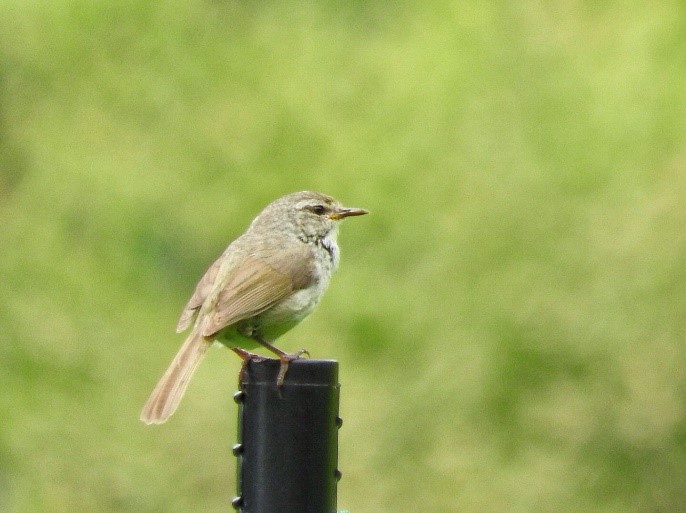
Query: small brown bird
{"points": [[267, 281]]}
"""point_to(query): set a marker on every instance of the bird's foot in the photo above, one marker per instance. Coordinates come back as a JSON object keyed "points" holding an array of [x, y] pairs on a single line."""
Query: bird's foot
{"points": [[247, 357], [286, 359]]}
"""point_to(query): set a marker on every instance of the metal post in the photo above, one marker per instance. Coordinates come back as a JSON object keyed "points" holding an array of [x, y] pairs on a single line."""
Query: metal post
{"points": [[288, 438]]}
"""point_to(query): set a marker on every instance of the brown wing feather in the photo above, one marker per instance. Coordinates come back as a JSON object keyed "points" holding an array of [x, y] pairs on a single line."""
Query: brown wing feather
{"points": [[202, 290], [255, 285], [297, 264]]}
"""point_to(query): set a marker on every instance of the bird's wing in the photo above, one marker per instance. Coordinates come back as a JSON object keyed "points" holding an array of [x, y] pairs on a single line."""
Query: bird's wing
{"points": [[255, 285], [202, 290]]}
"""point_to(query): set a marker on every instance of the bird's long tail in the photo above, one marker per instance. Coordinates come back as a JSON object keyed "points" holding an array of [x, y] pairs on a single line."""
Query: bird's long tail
{"points": [[170, 389]]}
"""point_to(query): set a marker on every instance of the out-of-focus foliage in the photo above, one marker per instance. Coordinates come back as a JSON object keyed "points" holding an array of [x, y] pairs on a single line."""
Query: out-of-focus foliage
{"points": [[510, 320]]}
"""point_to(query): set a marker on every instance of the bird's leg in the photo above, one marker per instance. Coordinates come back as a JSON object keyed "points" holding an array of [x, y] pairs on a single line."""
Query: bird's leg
{"points": [[246, 356], [284, 357]]}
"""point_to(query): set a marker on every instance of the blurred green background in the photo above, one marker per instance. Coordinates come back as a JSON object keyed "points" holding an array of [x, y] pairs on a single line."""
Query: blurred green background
{"points": [[510, 321]]}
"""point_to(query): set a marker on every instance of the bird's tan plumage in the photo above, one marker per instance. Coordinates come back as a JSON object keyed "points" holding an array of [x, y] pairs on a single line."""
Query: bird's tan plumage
{"points": [[243, 292], [166, 396], [253, 291]]}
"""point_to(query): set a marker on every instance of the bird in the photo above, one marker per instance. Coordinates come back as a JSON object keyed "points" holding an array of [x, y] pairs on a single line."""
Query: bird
{"points": [[265, 282]]}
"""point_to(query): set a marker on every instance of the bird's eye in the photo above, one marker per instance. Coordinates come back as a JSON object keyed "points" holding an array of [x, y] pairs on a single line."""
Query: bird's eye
{"points": [[319, 209]]}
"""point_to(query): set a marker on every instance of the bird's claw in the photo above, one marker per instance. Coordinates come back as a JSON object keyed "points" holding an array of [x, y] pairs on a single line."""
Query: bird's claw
{"points": [[286, 359], [247, 357]]}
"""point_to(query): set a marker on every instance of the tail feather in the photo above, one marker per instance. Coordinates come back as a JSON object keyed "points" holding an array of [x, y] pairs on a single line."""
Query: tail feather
{"points": [[166, 396]]}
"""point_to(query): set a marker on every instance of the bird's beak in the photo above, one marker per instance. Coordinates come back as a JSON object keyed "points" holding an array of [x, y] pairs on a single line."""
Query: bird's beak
{"points": [[347, 212]]}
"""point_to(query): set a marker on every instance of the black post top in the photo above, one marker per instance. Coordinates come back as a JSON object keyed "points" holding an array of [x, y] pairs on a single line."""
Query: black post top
{"points": [[300, 372]]}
